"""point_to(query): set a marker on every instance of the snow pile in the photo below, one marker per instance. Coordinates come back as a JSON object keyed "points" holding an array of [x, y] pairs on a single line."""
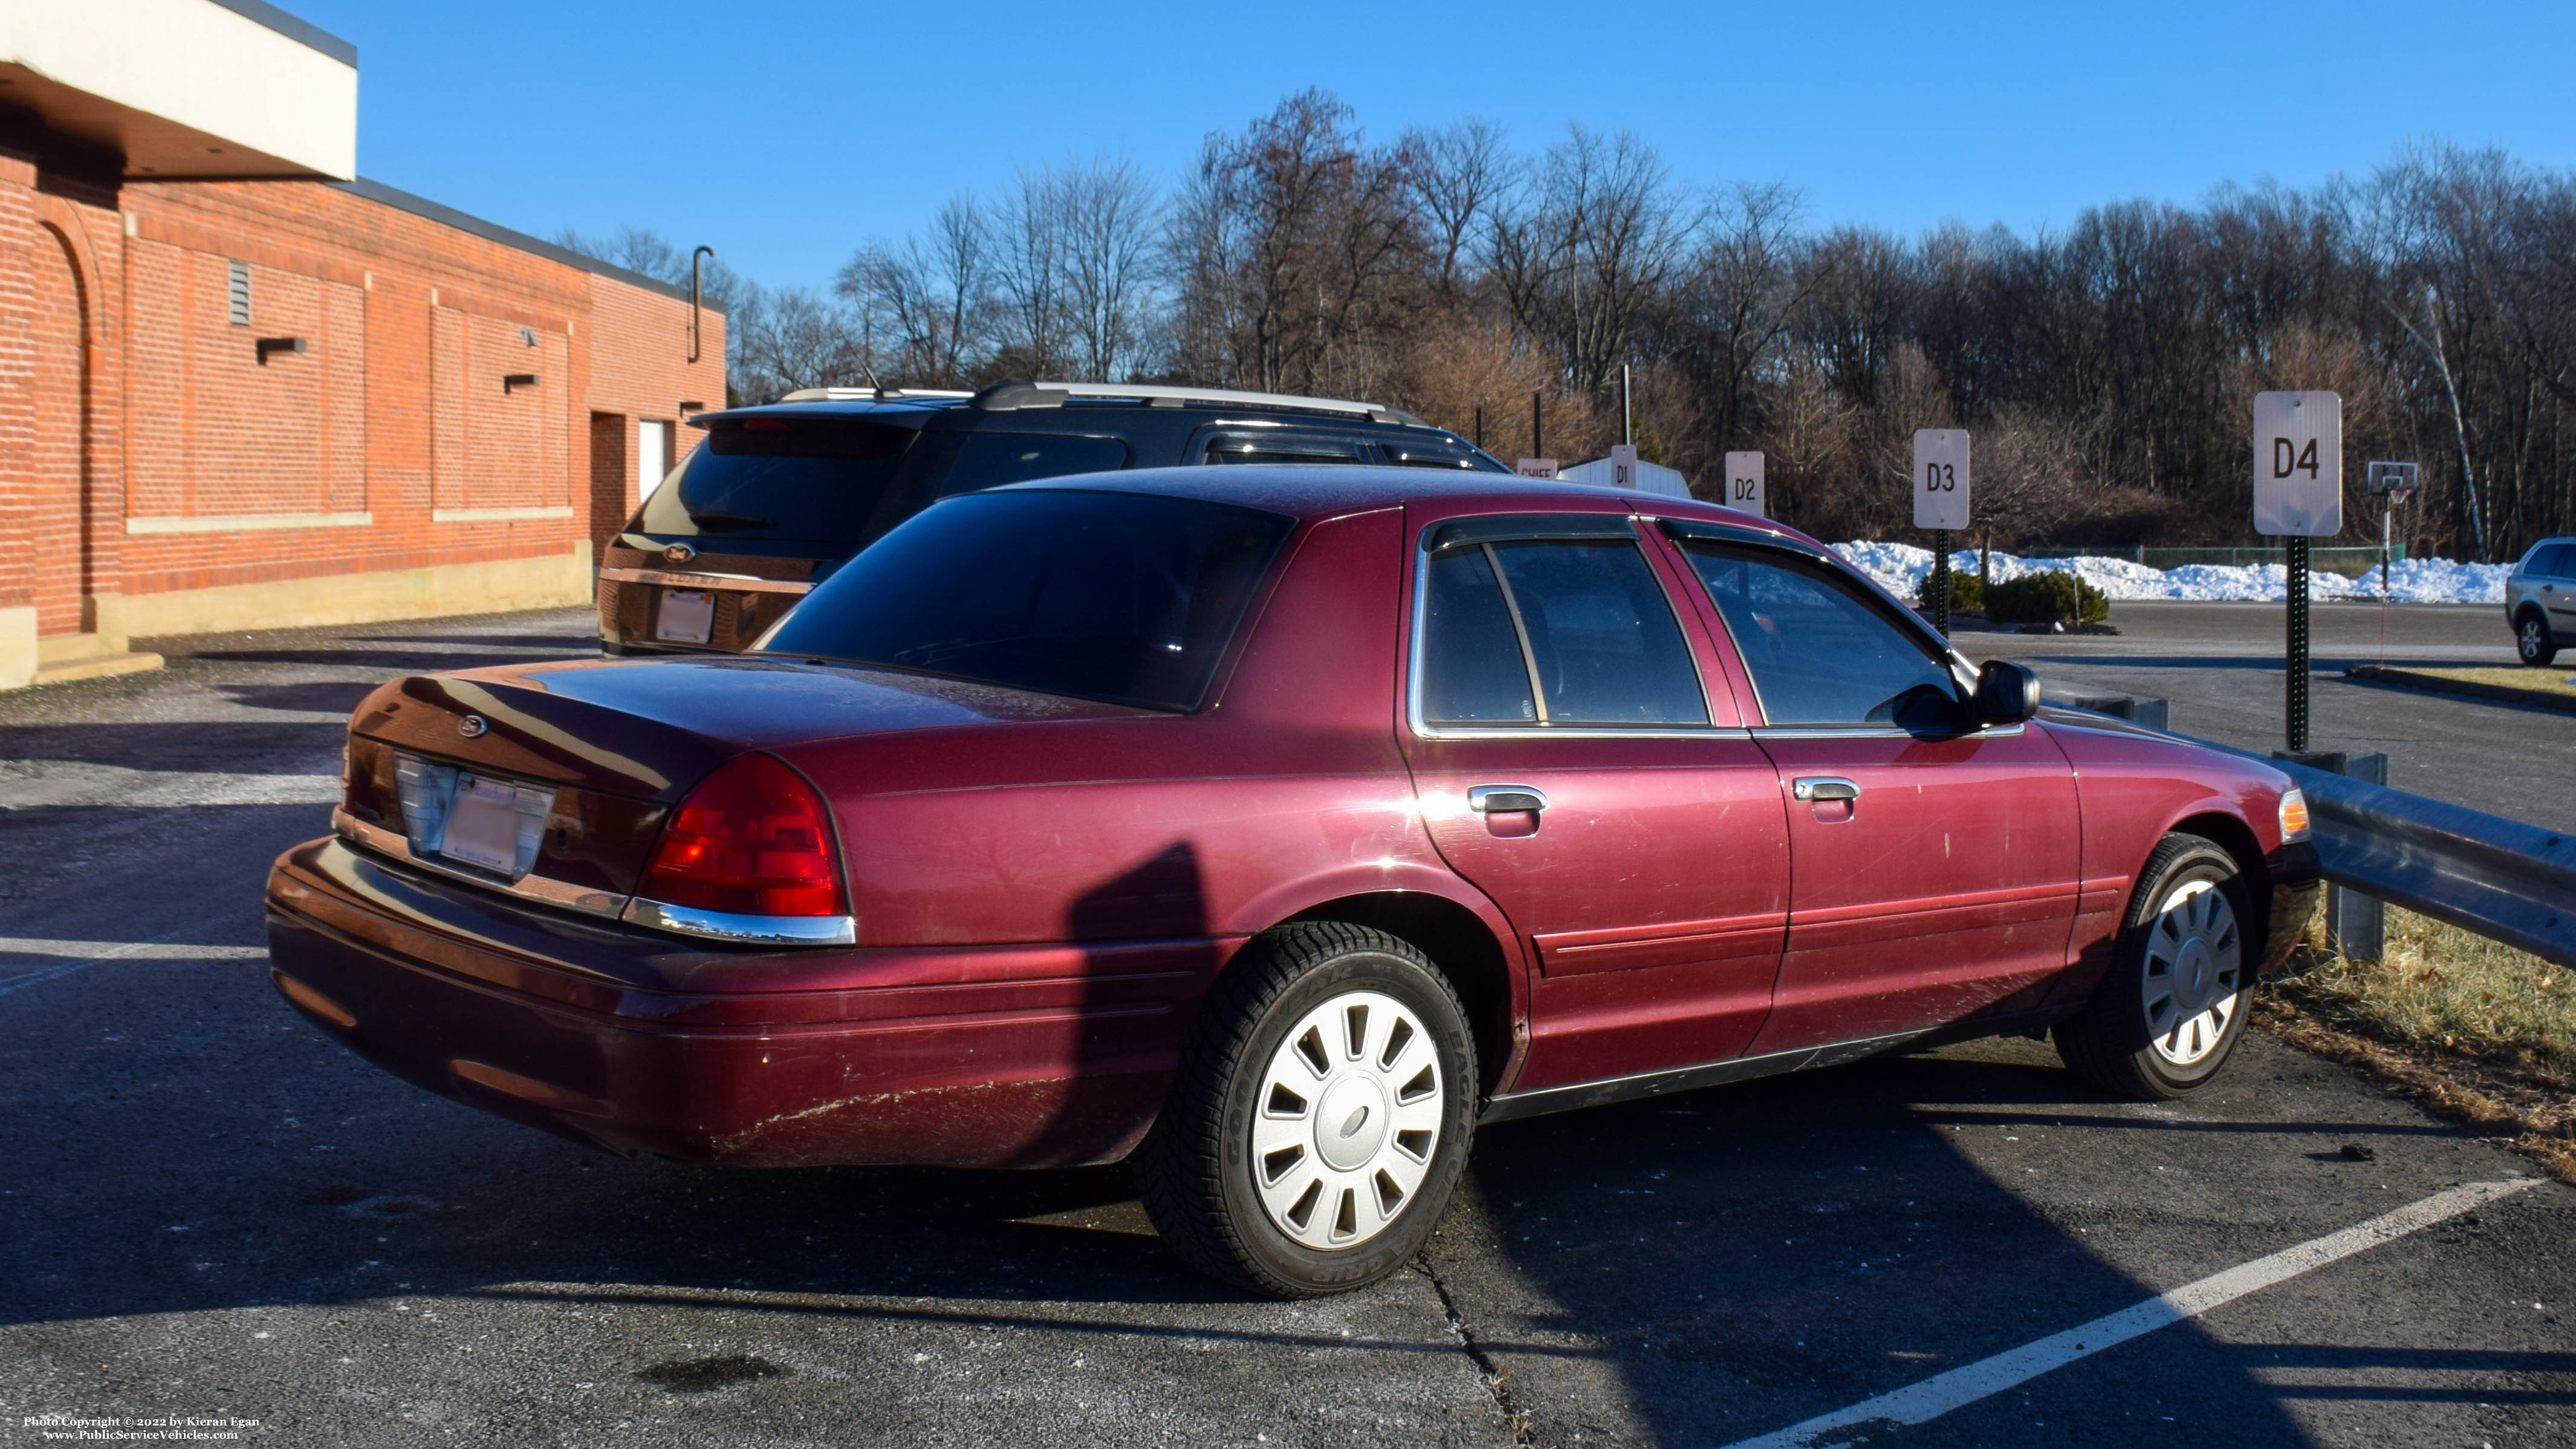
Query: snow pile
{"points": [[1900, 569]]}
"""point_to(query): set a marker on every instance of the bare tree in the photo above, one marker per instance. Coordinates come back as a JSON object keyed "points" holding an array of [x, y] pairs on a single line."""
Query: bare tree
{"points": [[1460, 171], [1589, 245], [924, 307]]}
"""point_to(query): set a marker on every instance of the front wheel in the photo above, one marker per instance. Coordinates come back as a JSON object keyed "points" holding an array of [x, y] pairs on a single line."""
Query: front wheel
{"points": [[2531, 640], [1320, 1117], [2169, 1012]]}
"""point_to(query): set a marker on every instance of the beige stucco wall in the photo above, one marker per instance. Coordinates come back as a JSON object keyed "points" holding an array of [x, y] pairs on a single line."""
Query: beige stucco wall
{"points": [[492, 587]]}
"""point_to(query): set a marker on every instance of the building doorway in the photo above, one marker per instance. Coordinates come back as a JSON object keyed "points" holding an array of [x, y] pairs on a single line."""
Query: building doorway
{"points": [[652, 456]]}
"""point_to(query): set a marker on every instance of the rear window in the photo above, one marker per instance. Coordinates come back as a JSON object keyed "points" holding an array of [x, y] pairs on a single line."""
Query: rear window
{"points": [[807, 481], [1121, 597]]}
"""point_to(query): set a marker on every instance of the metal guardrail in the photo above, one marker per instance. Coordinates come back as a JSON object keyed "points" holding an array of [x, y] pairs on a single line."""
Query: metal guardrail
{"points": [[2502, 879]]}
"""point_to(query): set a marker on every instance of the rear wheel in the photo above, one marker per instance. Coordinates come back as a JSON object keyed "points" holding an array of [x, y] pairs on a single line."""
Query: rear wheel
{"points": [[2532, 641], [1320, 1117], [2168, 1013]]}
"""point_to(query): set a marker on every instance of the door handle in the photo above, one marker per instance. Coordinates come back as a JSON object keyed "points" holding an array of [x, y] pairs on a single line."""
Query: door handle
{"points": [[1824, 787], [1500, 799]]}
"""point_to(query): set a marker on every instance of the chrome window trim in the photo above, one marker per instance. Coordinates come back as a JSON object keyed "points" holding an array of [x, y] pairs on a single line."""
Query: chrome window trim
{"points": [[739, 583], [742, 929], [1470, 732], [1425, 730], [1876, 732], [543, 889]]}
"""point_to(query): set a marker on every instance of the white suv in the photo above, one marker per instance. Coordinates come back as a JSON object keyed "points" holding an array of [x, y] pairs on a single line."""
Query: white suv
{"points": [[2540, 600]]}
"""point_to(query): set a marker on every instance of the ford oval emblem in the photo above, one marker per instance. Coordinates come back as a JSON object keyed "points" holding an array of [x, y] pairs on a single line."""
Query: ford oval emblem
{"points": [[472, 725], [679, 553]]}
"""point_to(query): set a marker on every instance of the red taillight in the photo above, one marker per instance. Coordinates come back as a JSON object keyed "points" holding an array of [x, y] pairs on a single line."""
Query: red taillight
{"points": [[752, 839]]}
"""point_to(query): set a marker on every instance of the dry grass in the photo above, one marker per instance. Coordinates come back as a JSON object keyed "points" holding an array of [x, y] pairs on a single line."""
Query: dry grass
{"points": [[2444, 987], [2480, 1031], [2540, 681]]}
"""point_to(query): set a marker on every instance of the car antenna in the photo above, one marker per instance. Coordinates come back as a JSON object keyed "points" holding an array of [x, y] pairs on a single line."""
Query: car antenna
{"points": [[883, 391]]}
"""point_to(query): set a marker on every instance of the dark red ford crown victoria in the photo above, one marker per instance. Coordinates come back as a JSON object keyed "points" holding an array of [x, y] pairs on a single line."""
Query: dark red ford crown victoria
{"points": [[1277, 825]]}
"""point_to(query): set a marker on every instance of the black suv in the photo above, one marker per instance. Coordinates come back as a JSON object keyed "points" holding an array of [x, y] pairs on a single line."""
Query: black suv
{"points": [[776, 497]]}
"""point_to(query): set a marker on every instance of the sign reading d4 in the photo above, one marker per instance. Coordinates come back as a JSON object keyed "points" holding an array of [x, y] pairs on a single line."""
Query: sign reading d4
{"points": [[2298, 464]]}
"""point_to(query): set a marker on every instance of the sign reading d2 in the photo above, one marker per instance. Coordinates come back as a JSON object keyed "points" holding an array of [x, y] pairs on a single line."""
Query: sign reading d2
{"points": [[1941, 478], [1744, 484], [2298, 464]]}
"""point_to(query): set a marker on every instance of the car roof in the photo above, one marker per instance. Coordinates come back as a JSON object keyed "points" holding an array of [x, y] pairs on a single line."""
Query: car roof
{"points": [[1321, 490]]}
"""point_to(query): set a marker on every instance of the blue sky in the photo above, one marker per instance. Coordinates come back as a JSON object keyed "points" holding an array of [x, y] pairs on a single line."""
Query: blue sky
{"points": [[785, 134]]}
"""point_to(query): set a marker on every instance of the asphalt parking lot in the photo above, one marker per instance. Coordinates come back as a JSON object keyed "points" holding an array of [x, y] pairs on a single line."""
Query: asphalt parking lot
{"points": [[210, 1210], [2220, 665]]}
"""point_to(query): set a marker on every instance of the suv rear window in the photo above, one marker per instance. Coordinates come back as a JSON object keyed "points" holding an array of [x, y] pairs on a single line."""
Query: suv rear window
{"points": [[804, 481], [1123, 597]]}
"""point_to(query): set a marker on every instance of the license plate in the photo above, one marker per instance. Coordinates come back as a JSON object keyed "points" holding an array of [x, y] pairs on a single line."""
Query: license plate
{"points": [[483, 825], [688, 616]]}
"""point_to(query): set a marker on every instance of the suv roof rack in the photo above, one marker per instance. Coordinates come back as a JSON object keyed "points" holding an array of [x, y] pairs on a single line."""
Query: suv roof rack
{"points": [[1011, 396], [866, 394]]}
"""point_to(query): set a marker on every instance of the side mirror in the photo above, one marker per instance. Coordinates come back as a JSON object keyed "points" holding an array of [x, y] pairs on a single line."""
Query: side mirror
{"points": [[2007, 693]]}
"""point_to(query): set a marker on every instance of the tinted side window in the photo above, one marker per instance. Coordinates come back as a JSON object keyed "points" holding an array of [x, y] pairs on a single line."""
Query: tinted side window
{"points": [[2557, 561], [1292, 448], [989, 460], [1582, 620], [1472, 670], [1438, 455], [1818, 652]]}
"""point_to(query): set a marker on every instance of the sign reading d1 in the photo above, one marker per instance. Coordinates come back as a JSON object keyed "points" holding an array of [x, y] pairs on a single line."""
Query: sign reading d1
{"points": [[2298, 464], [1744, 484], [1623, 466], [1941, 478]]}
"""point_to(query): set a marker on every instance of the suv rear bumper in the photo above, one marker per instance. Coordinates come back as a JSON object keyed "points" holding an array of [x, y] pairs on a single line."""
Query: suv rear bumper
{"points": [[1015, 1056]]}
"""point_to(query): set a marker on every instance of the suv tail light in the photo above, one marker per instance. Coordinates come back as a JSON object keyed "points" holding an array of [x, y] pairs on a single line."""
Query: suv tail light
{"points": [[753, 839]]}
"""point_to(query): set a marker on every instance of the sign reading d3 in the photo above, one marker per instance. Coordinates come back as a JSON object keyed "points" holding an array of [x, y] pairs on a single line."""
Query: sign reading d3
{"points": [[2298, 464], [1941, 478]]}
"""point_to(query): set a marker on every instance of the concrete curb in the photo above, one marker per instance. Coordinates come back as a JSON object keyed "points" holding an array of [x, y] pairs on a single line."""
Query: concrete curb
{"points": [[2442, 684]]}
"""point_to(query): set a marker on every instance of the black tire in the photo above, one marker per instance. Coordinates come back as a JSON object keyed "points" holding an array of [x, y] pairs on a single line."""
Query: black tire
{"points": [[2111, 1043], [2532, 639], [1197, 1169]]}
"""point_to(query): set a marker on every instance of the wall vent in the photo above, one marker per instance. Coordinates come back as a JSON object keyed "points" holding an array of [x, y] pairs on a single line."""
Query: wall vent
{"points": [[239, 293]]}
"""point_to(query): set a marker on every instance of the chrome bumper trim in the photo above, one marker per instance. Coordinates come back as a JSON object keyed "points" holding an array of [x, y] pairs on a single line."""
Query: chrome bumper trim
{"points": [[738, 583], [532, 887], [744, 930]]}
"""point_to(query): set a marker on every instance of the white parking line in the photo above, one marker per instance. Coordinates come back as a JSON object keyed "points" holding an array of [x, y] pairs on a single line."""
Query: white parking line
{"points": [[71, 956], [71, 784], [1939, 1394]]}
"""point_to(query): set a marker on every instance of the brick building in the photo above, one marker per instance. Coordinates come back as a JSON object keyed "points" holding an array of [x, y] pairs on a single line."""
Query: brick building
{"points": [[240, 387]]}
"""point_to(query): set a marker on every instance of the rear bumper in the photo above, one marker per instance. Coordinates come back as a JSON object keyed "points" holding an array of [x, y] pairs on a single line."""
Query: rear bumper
{"points": [[2297, 882], [1017, 1056]]}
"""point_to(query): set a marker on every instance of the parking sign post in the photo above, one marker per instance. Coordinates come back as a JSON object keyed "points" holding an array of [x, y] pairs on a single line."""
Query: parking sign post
{"points": [[1744, 484], [2298, 495], [1940, 504]]}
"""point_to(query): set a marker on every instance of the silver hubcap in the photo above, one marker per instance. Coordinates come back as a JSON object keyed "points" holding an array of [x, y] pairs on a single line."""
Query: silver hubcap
{"points": [[2532, 638], [1350, 1114], [2194, 967]]}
